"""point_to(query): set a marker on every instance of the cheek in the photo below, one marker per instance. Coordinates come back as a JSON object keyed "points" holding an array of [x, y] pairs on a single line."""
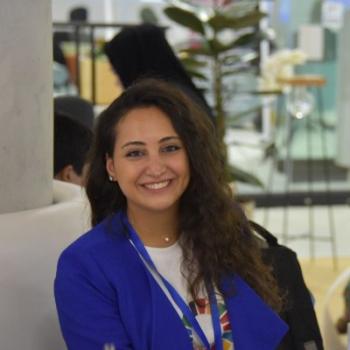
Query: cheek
{"points": [[127, 172], [184, 166]]}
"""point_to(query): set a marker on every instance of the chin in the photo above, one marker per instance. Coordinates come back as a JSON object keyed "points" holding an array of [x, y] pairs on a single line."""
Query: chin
{"points": [[161, 206]]}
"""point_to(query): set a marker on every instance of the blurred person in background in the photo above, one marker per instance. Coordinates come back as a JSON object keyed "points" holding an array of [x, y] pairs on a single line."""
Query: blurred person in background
{"points": [[72, 142], [142, 51]]}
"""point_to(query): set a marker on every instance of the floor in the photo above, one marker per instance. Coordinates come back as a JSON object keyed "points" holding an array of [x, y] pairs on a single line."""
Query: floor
{"points": [[299, 224]]}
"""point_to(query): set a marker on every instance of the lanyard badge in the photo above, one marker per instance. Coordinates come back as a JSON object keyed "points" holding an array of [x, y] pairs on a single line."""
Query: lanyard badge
{"points": [[179, 301]]}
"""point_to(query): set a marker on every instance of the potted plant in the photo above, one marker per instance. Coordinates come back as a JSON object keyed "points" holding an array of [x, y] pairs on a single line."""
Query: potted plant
{"points": [[227, 44]]}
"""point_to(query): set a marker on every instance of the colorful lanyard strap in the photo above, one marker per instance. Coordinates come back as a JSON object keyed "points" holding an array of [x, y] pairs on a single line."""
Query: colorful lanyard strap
{"points": [[179, 301]]}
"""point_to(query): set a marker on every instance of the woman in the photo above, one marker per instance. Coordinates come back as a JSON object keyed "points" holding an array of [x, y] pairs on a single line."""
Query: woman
{"points": [[170, 262]]}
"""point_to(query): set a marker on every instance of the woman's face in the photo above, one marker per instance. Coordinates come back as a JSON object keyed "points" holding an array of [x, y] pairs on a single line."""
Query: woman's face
{"points": [[149, 162]]}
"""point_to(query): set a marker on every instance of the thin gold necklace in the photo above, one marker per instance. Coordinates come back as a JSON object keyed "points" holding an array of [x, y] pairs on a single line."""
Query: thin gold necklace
{"points": [[167, 239]]}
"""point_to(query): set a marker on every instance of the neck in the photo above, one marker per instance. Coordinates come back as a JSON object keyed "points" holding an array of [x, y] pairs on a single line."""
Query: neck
{"points": [[155, 229]]}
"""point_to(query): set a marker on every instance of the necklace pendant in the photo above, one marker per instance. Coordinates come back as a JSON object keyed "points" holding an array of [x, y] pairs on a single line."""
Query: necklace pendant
{"points": [[167, 239]]}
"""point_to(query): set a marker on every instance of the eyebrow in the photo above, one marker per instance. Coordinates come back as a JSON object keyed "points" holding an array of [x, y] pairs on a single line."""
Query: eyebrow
{"points": [[133, 143], [141, 143]]}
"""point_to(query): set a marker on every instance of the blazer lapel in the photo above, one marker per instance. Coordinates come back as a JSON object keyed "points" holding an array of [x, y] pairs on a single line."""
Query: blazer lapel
{"points": [[254, 324], [168, 329]]}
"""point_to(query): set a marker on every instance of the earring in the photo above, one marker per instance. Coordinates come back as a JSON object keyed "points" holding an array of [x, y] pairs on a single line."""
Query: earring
{"points": [[110, 178]]}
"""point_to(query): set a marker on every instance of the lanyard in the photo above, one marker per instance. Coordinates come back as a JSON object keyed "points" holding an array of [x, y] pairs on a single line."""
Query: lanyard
{"points": [[176, 296]]}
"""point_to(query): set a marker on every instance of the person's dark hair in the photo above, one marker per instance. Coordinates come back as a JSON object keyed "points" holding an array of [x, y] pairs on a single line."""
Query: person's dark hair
{"points": [[58, 55], [79, 14], [216, 239], [142, 51], [76, 108], [72, 141]]}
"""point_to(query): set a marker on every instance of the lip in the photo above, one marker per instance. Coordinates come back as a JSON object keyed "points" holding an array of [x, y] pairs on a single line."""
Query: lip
{"points": [[157, 185]]}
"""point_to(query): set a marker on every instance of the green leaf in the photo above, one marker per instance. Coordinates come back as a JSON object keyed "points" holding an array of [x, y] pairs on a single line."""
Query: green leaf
{"points": [[237, 70], [203, 50], [196, 74], [239, 42], [263, 92], [246, 39], [216, 46], [185, 18], [222, 21], [237, 174], [191, 62], [238, 8], [233, 120], [249, 57], [231, 59]]}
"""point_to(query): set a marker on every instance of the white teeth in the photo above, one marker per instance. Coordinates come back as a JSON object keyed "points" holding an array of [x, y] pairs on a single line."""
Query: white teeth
{"points": [[157, 185]]}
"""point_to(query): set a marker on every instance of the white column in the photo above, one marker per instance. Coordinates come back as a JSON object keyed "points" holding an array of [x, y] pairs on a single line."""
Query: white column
{"points": [[26, 137]]}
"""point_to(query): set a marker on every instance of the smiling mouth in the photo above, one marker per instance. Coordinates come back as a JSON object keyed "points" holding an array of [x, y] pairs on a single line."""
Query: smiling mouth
{"points": [[157, 185]]}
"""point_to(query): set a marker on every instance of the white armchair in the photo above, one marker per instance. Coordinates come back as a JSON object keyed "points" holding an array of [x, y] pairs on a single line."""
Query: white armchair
{"points": [[30, 243], [332, 340]]}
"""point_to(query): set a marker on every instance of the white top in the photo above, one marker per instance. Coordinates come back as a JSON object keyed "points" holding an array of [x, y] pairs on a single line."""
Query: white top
{"points": [[168, 262]]}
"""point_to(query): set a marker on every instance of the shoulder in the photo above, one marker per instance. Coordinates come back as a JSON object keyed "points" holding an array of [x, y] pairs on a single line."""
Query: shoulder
{"points": [[110, 229], [101, 260], [94, 244]]}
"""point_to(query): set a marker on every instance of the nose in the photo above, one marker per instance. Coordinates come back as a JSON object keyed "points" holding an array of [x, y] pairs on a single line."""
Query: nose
{"points": [[156, 166]]}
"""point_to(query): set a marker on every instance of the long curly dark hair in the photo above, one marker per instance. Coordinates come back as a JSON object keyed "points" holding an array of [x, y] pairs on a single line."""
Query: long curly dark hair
{"points": [[216, 239]]}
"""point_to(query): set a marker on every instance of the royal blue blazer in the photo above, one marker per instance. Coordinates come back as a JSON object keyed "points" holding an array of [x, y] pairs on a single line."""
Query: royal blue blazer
{"points": [[106, 295]]}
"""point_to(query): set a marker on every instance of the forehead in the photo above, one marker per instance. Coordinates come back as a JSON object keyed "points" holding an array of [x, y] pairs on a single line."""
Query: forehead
{"points": [[144, 123]]}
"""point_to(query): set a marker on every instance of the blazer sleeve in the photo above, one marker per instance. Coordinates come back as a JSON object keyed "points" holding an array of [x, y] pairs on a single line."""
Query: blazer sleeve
{"points": [[87, 305]]}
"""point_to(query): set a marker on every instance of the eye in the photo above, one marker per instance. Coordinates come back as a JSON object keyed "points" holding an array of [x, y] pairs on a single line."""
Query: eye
{"points": [[171, 148], [134, 154]]}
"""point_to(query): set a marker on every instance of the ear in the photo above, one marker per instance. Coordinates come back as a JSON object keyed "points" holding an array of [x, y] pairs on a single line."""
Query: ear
{"points": [[68, 174], [110, 168]]}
